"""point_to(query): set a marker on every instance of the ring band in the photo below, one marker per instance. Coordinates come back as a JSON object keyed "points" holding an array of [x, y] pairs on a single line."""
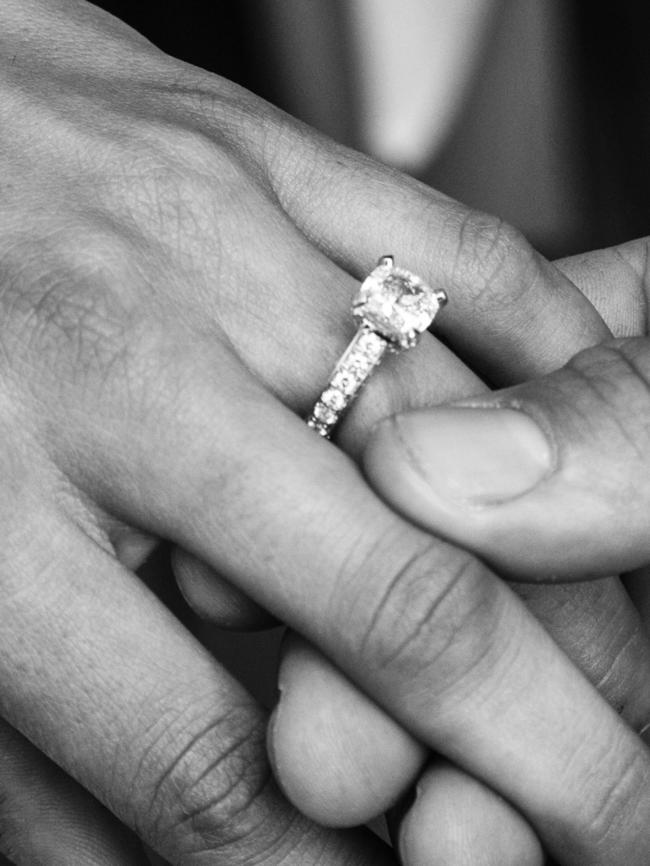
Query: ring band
{"points": [[393, 307]]}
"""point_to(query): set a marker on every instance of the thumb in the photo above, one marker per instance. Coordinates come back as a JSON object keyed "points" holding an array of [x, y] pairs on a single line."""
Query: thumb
{"points": [[547, 480]]}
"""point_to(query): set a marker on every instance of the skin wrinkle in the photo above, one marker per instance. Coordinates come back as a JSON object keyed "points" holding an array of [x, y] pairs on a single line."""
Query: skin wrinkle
{"points": [[582, 366], [625, 788], [424, 620], [613, 666], [201, 819], [386, 598]]}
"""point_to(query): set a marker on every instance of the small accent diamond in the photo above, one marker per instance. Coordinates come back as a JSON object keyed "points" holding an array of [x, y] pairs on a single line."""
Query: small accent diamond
{"points": [[371, 345], [360, 363], [346, 381], [333, 398], [321, 429], [324, 414]]}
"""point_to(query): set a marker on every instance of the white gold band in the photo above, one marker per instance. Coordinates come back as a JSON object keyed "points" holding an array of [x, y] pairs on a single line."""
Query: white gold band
{"points": [[353, 368]]}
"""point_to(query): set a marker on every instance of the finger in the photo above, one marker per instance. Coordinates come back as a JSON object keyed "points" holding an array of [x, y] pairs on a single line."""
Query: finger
{"points": [[215, 599], [616, 282], [45, 817], [339, 757], [324, 729], [153, 728], [545, 480], [602, 630], [401, 593], [455, 819], [507, 300]]}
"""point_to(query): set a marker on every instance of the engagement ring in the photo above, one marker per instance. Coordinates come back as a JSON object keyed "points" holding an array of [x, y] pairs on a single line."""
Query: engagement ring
{"points": [[393, 307]]}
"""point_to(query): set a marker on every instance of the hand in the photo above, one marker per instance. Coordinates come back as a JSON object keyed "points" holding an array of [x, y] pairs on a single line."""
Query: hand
{"points": [[177, 262], [339, 756], [553, 480]]}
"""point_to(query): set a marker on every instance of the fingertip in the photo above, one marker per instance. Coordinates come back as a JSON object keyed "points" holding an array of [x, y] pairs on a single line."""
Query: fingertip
{"points": [[215, 599], [336, 755], [455, 819]]}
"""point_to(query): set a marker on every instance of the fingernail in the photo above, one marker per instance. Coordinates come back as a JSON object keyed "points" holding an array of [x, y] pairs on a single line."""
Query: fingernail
{"points": [[478, 456]]}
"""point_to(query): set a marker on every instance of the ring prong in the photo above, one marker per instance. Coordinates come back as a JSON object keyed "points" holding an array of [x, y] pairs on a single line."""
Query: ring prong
{"points": [[441, 297], [386, 262], [411, 340]]}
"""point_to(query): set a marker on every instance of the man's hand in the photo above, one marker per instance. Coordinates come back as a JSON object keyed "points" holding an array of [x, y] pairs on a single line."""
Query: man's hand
{"points": [[339, 756], [549, 480], [176, 264]]}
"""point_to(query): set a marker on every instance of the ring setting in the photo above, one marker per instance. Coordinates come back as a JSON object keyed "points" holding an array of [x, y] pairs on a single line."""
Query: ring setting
{"points": [[393, 308]]}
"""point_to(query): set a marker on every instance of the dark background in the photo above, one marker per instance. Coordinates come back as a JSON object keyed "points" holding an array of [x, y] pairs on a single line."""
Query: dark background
{"points": [[607, 73]]}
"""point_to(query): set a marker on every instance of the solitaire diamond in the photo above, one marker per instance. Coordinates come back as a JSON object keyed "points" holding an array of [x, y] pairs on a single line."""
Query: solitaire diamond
{"points": [[393, 307], [396, 304]]}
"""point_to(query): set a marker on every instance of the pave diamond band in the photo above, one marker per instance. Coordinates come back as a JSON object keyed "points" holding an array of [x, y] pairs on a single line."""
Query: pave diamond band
{"points": [[355, 365], [393, 307]]}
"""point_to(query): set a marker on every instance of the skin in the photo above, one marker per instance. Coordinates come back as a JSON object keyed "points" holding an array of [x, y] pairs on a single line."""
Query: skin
{"points": [[176, 261], [592, 415]]}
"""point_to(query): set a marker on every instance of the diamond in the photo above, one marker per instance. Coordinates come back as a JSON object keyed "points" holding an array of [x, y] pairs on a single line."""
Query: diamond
{"points": [[345, 381], [334, 399], [371, 345], [396, 304], [359, 360], [324, 414], [321, 429]]}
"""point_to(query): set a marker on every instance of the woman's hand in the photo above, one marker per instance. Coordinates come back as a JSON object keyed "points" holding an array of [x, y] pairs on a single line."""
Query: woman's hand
{"points": [[176, 263]]}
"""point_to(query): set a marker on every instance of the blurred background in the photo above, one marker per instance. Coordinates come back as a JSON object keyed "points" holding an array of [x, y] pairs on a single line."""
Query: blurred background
{"points": [[534, 110]]}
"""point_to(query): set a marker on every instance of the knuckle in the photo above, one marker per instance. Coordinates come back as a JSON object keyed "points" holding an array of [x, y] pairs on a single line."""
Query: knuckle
{"points": [[493, 261], [433, 617], [613, 379], [62, 301], [211, 793], [226, 111], [185, 188]]}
